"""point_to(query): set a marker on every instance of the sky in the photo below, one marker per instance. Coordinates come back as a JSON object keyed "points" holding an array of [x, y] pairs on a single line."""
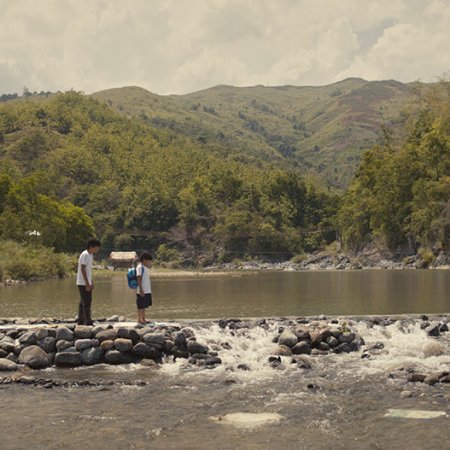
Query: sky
{"points": [[181, 46]]}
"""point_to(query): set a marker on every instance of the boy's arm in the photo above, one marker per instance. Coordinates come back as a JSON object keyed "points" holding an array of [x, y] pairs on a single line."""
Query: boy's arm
{"points": [[140, 289], [84, 273]]}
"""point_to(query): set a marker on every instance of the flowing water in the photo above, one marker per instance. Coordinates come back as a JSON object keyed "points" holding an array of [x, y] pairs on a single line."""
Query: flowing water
{"points": [[342, 402]]}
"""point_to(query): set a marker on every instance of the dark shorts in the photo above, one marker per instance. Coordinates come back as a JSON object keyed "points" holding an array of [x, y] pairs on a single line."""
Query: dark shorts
{"points": [[143, 302]]}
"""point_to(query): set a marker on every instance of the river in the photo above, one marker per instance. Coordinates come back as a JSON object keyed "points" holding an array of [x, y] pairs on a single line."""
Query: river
{"points": [[244, 294], [342, 402]]}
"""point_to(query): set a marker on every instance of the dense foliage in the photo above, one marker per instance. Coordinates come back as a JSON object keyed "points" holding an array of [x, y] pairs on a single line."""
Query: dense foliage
{"points": [[400, 196], [70, 165]]}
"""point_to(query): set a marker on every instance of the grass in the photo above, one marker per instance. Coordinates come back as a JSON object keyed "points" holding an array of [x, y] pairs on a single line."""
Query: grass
{"points": [[30, 262]]}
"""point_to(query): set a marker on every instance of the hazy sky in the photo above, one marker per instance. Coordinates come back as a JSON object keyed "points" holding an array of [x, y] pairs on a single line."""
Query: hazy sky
{"points": [[179, 46]]}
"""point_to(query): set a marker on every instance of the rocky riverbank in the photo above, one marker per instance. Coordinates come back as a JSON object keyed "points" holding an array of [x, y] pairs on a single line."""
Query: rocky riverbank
{"points": [[332, 261]]}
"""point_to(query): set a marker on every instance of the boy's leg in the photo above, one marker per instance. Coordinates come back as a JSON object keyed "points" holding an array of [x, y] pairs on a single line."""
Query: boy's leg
{"points": [[87, 308], [82, 308]]}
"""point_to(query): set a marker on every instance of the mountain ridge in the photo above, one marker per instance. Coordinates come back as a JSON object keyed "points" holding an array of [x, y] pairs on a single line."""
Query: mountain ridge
{"points": [[319, 130]]}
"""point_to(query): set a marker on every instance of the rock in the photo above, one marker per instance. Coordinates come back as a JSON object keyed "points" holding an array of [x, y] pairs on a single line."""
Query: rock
{"points": [[7, 365], [128, 333], [82, 344], [123, 345], [432, 378], [302, 333], [114, 318], [156, 340], [332, 341], [284, 350], [71, 349], [416, 377], [145, 351], [168, 346], [445, 379], [97, 328], [244, 367], [48, 344], [346, 337], [196, 347], [287, 338], [106, 335], [92, 355], [433, 329], [61, 345], [117, 357], [443, 328], [68, 359], [64, 334], [83, 331], [323, 346], [346, 347], [180, 341], [303, 362], [34, 357], [405, 394], [316, 337], [7, 344], [28, 338], [107, 345], [41, 333], [149, 363], [3, 353], [302, 348], [179, 352]]}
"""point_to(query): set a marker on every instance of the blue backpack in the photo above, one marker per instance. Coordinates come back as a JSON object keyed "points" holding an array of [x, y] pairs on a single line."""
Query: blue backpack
{"points": [[132, 277]]}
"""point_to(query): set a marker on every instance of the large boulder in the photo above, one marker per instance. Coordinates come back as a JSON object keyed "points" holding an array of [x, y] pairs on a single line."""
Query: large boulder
{"points": [[155, 340], [61, 345], [6, 364], [34, 357], [196, 347], [82, 344], [288, 338], [302, 348], [83, 331], [64, 334], [128, 333], [145, 351], [92, 355], [48, 344], [28, 338], [7, 344], [434, 329], [106, 335], [113, 357], [107, 345], [71, 359], [180, 341], [123, 345]]}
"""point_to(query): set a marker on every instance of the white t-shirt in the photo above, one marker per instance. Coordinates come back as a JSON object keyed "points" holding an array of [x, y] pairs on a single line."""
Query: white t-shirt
{"points": [[146, 286], [85, 259]]}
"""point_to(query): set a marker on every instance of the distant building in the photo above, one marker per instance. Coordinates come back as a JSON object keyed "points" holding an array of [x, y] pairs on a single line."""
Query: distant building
{"points": [[122, 259]]}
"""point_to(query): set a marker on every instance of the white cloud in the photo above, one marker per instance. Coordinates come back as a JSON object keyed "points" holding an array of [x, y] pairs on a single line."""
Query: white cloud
{"points": [[173, 46]]}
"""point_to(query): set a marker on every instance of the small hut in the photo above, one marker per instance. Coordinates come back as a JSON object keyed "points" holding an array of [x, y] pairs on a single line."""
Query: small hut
{"points": [[122, 259]]}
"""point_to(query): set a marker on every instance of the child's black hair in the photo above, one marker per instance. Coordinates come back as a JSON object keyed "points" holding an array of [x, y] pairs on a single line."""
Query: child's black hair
{"points": [[91, 243], [145, 255]]}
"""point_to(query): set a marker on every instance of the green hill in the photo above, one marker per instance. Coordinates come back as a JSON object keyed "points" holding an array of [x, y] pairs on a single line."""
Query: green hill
{"points": [[318, 130]]}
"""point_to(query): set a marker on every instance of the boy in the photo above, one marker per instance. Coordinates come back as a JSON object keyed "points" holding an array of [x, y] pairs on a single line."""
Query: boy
{"points": [[84, 281], [144, 290]]}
